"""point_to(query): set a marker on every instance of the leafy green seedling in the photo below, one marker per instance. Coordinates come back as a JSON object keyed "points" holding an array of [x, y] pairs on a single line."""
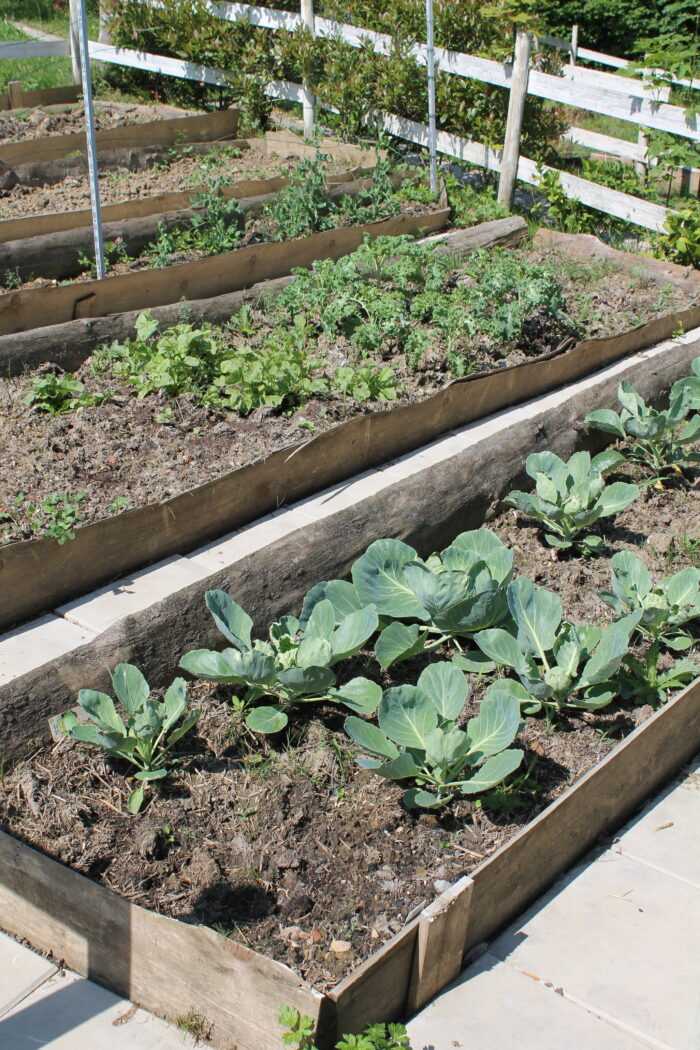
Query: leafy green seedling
{"points": [[560, 666], [147, 735], [450, 595], [572, 497], [294, 666], [658, 439], [60, 394], [418, 738], [665, 609]]}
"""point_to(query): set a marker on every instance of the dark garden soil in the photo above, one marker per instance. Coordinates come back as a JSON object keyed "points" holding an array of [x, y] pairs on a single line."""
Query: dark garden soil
{"points": [[284, 844], [145, 450], [58, 120]]}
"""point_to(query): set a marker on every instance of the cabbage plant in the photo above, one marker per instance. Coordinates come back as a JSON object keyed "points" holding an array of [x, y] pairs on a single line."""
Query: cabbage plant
{"points": [[570, 498], [423, 603], [559, 665], [418, 738], [690, 385], [665, 609], [659, 439], [294, 666], [145, 737]]}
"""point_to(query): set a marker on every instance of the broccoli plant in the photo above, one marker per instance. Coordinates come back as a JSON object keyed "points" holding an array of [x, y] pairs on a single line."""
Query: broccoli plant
{"points": [[572, 497], [294, 666], [450, 595], [559, 665], [418, 738], [665, 609], [146, 737], [657, 439]]}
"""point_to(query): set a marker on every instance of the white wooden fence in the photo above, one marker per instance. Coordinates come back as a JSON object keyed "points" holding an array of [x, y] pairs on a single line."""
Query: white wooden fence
{"points": [[604, 93]]}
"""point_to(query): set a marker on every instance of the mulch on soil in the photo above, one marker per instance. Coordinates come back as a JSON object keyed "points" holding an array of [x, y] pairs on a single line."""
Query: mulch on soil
{"points": [[122, 449], [284, 844]]}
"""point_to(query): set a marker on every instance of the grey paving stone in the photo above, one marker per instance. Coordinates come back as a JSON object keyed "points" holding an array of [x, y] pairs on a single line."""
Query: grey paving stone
{"points": [[620, 938], [131, 594], [667, 833], [494, 1007], [22, 971], [70, 1013], [36, 643]]}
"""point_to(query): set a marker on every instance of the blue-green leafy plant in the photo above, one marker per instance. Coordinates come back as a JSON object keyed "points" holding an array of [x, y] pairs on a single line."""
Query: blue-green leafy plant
{"points": [[570, 498], [294, 666], [665, 610], [418, 737], [559, 665], [145, 736], [420, 603], [658, 439]]}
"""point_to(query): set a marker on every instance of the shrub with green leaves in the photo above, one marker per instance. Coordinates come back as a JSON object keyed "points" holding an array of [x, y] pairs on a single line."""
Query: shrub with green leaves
{"points": [[145, 736], [570, 498], [60, 394], [560, 666], [418, 738], [658, 439], [294, 666], [448, 596]]}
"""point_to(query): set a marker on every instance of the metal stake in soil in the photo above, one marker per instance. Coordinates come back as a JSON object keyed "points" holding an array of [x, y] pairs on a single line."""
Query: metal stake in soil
{"points": [[91, 143]]}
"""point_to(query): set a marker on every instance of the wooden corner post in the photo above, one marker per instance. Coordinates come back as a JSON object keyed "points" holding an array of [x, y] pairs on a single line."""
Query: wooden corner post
{"points": [[442, 930], [514, 123]]}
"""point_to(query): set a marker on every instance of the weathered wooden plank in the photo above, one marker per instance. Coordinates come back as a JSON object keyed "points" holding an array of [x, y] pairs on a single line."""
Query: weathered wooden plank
{"points": [[167, 966], [613, 82], [217, 274], [442, 930], [221, 124], [517, 873], [606, 144], [378, 989], [44, 97]]}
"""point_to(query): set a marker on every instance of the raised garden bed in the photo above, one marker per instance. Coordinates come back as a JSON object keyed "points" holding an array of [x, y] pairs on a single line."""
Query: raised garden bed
{"points": [[185, 440], [108, 937]]}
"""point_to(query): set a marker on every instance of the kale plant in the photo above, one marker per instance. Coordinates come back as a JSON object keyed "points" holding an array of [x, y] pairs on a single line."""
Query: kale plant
{"points": [[147, 734], [572, 497], [418, 738], [658, 439], [294, 666], [560, 666]]}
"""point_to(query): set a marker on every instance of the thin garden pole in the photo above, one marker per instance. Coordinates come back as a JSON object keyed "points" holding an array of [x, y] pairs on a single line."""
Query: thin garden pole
{"points": [[432, 128], [91, 143], [574, 44], [514, 123], [308, 22]]}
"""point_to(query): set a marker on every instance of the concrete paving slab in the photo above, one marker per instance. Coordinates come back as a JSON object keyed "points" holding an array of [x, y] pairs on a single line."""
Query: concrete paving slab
{"points": [[243, 542], [100, 609], [35, 643], [22, 971], [495, 1007], [344, 495], [619, 938], [69, 1013], [666, 835]]}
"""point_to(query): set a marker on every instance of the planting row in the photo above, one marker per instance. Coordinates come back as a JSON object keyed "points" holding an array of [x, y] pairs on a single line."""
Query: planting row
{"points": [[446, 665], [391, 323]]}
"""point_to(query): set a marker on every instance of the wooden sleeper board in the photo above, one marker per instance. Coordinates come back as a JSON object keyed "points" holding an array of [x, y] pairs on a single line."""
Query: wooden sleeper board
{"points": [[43, 97], [222, 124]]}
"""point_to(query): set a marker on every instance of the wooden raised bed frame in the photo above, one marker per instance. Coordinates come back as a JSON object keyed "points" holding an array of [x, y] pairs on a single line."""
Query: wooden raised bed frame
{"points": [[169, 966]]}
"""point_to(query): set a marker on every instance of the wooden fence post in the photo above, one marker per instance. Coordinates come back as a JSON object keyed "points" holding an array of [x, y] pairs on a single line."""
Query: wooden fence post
{"points": [[308, 23], [74, 40], [574, 45], [642, 166], [14, 91], [440, 945], [514, 123]]}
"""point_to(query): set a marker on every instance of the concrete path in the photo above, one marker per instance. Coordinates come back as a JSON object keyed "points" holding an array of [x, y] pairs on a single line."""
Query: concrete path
{"points": [[609, 959]]}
